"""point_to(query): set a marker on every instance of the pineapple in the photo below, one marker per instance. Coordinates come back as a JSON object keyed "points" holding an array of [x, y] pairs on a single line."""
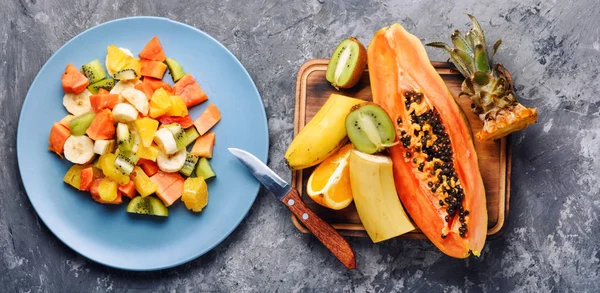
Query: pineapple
{"points": [[178, 107], [117, 60], [489, 85], [146, 127], [143, 184], [108, 189], [160, 103], [148, 153]]}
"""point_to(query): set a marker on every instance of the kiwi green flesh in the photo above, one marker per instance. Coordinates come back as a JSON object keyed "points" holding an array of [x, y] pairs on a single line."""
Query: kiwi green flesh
{"points": [[127, 74], [189, 136], [370, 129], [175, 69], [343, 71], [107, 84], [80, 124], [125, 162], [147, 206], [93, 71], [189, 165], [204, 170]]}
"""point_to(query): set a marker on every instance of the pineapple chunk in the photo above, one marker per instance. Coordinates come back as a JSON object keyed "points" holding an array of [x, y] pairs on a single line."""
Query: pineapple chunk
{"points": [[107, 164], [178, 107], [108, 189], [148, 153], [146, 128], [143, 184], [160, 103]]}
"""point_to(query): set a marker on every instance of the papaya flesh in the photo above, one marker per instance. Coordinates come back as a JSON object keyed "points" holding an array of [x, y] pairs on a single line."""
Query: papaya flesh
{"points": [[435, 164]]}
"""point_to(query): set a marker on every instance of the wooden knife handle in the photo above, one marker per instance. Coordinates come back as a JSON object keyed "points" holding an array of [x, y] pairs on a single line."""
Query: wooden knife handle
{"points": [[323, 231]]}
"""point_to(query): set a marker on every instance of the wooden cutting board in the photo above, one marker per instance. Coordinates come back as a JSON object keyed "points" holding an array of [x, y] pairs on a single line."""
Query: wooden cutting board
{"points": [[312, 90]]}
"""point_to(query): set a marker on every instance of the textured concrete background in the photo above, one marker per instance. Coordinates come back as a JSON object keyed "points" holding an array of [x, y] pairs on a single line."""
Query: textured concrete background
{"points": [[551, 241]]}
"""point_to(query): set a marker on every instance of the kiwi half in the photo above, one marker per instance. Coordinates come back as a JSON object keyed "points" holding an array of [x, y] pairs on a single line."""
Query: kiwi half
{"points": [[147, 206], [369, 128], [347, 64]]}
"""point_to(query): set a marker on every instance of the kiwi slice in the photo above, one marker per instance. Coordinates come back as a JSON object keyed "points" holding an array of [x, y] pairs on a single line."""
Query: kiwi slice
{"points": [[80, 124], [147, 206], [94, 71], [175, 69], [125, 162], [189, 165], [107, 84], [369, 128], [183, 137], [204, 170], [347, 64], [124, 138], [125, 74]]}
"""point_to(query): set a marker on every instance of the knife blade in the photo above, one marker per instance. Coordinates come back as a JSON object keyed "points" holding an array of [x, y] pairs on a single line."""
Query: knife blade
{"points": [[291, 199]]}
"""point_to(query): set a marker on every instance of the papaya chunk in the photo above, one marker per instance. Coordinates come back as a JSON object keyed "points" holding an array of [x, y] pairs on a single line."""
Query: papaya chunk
{"points": [[153, 51], [437, 174], [102, 127], [190, 91], [207, 119], [74, 81], [153, 69], [58, 135]]}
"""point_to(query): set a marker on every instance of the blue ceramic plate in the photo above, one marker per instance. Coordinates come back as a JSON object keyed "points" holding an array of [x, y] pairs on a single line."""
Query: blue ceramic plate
{"points": [[108, 234]]}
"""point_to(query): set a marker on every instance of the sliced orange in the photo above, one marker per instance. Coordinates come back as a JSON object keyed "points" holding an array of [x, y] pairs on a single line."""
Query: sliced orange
{"points": [[329, 183]]}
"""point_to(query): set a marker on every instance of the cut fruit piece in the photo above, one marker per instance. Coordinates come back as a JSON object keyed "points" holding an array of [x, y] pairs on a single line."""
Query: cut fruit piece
{"points": [[143, 184], [404, 83], [124, 138], [170, 186], [207, 119], [185, 121], [323, 135], [65, 120], [156, 84], [178, 107], [103, 146], [102, 127], [78, 104], [103, 101], [375, 197], [87, 177], [178, 134], [203, 147], [127, 189], [154, 69], [125, 162], [153, 51], [116, 58], [149, 167], [79, 149], [189, 136], [124, 112], [74, 81], [137, 99], [125, 74], [96, 195], [146, 89], [146, 128], [107, 164], [107, 190], [58, 136], [347, 64], [171, 163], [160, 103], [195, 194], [122, 85], [204, 170], [80, 124], [175, 69], [73, 176], [165, 141], [107, 84], [190, 91], [93, 71], [148, 153], [370, 129], [147, 206], [189, 165], [329, 183]]}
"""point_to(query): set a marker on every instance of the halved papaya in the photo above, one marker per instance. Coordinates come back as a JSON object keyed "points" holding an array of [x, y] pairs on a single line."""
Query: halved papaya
{"points": [[435, 164]]}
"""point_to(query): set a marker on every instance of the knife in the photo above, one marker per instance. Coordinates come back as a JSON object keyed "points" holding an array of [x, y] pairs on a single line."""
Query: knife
{"points": [[290, 197]]}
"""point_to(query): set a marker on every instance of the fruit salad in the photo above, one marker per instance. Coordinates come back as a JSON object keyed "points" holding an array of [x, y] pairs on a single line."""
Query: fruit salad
{"points": [[129, 133]]}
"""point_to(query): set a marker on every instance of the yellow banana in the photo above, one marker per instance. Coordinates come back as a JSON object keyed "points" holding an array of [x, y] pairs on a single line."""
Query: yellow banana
{"points": [[375, 197], [323, 135]]}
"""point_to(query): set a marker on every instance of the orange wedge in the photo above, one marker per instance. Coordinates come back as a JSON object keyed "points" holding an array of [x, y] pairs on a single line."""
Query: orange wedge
{"points": [[329, 183]]}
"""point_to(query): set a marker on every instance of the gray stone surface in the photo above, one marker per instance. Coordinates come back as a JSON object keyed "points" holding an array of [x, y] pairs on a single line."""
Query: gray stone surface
{"points": [[551, 243]]}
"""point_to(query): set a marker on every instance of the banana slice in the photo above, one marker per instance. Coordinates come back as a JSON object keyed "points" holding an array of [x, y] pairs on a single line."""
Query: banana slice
{"points": [[135, 136], [124, 50], [171, 163], [78, 104], [79, 149], [124, 112], [165, 141], [136, 98], [103, 146]]}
